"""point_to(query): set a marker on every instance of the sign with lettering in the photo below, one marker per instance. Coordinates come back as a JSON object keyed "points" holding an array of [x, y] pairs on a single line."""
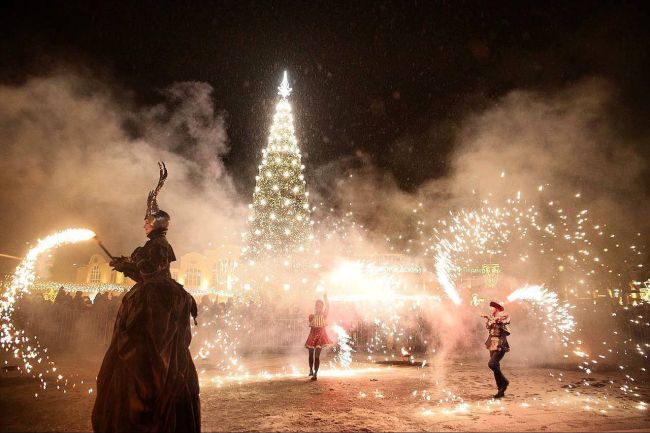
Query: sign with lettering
{"points": [[490, 272]]}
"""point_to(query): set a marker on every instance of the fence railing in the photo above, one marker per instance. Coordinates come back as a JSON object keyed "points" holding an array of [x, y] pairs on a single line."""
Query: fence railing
{"points": [[68, 328], [281, 333]]}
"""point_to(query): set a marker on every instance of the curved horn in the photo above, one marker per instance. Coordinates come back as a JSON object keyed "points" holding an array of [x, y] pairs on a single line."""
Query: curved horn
{"points": [[152, 203]]}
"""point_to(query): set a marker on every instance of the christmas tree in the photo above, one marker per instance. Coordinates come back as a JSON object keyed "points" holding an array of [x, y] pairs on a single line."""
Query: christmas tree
{"points": [[279, 223]]}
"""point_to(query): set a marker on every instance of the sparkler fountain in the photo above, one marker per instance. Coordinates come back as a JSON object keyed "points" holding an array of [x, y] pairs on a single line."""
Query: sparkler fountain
{"points": [[556, 251]]}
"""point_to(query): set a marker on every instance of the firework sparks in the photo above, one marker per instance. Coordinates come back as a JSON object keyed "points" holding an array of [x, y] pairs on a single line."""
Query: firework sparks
{"points": [[566, 247], [556, 314], [446, 275], [222, 350], [15, 340], [344, 353]]}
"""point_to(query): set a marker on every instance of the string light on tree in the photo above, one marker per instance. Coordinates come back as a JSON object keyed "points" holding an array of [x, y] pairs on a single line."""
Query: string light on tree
{"points": [[279, 221]]}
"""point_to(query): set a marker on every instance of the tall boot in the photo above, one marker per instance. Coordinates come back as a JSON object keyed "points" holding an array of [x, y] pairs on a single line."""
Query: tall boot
{"points": [[316, 364]]}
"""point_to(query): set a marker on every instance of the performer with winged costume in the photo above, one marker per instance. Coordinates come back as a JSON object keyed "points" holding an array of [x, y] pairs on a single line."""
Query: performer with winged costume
{"points": [[147, 381]]}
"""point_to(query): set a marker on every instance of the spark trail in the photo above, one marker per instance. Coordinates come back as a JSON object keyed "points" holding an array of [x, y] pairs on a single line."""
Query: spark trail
{"points": [[28, 349]]}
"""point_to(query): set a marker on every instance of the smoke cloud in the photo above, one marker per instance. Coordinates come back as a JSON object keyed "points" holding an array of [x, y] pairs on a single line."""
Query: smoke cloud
{"points": [[568, 142], [76, 151]]}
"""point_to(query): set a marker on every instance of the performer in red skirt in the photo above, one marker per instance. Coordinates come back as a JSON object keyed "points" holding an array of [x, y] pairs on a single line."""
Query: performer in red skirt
{"points": [[317, 335]]}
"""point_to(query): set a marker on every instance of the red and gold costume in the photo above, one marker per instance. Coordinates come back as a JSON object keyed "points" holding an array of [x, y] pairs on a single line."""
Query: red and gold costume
{"points": [[498, 326], [498, 329], [318, 337]]}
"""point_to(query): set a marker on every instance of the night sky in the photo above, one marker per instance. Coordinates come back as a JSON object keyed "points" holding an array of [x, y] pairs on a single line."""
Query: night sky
{"points": [[390, 79]]}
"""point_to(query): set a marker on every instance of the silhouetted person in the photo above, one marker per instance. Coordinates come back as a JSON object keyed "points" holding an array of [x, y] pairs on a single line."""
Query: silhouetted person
{"points": [[62, 298], [148, 381], [206, 304], [101, 302]]}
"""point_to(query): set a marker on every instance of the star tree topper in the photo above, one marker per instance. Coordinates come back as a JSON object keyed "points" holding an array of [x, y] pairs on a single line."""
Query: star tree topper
{"points": [[284, 90]]}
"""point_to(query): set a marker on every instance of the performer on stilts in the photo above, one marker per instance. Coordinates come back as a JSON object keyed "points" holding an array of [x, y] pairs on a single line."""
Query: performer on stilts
{"points": [[147, 381], [498, 325], [317, 338]]}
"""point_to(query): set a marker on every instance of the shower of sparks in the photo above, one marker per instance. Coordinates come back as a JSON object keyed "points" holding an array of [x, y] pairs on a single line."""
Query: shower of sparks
{"points": [[220, 347], [16, 341], [568, 249], [355, 281], [344, 352], [446, 274], [554, 313], [388, 298], [467, 232], [570, 245], [384, 297], [557, 243]]}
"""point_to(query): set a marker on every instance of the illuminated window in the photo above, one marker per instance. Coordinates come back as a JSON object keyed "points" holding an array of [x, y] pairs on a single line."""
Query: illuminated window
{"points": [[220, 272], [223, 266], [215, 275], [193, 277], [95, 275]]}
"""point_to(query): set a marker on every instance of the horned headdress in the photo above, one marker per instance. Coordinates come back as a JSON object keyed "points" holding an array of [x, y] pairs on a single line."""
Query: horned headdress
{"points": [[158, 218]]}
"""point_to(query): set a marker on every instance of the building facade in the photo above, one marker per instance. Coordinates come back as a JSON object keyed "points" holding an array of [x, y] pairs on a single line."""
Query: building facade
{"points": [[98, 271], [210, 272]]}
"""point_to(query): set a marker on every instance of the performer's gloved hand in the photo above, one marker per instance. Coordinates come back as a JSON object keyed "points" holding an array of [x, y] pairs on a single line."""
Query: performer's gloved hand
{"points": [[118, 263]]}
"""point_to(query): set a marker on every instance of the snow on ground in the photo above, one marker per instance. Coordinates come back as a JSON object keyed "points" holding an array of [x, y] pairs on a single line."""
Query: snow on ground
{"points": [[451, 396]]}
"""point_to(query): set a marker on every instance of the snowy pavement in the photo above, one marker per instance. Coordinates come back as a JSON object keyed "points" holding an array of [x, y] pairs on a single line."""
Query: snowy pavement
{"points": [[277, 396]]}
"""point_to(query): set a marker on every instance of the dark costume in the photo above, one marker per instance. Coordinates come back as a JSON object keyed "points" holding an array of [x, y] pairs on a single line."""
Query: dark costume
{"points": [[317, 339], [498, 326], [147, 381]]}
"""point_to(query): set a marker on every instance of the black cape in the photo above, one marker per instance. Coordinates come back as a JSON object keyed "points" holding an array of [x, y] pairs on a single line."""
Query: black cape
{"points": [[147, 381]]}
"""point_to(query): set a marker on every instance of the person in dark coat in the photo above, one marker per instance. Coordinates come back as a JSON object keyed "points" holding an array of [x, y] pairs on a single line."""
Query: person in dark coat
{"points": [[147, 381], [78, 301], [62, 298]]}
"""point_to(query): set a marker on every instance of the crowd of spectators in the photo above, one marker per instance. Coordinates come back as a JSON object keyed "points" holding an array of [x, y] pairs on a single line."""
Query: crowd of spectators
{"points": [[70, 321], [77, 321]]}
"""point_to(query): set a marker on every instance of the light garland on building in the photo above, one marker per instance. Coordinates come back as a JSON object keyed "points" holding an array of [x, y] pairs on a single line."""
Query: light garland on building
{"points": [[97, 288]]}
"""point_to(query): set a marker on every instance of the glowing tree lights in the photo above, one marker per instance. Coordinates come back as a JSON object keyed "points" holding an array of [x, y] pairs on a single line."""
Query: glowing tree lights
{"points": [[279, 220]]}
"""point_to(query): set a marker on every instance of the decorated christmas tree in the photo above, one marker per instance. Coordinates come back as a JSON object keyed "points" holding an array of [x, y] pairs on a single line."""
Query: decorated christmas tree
{"points": [[279, 223]]}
